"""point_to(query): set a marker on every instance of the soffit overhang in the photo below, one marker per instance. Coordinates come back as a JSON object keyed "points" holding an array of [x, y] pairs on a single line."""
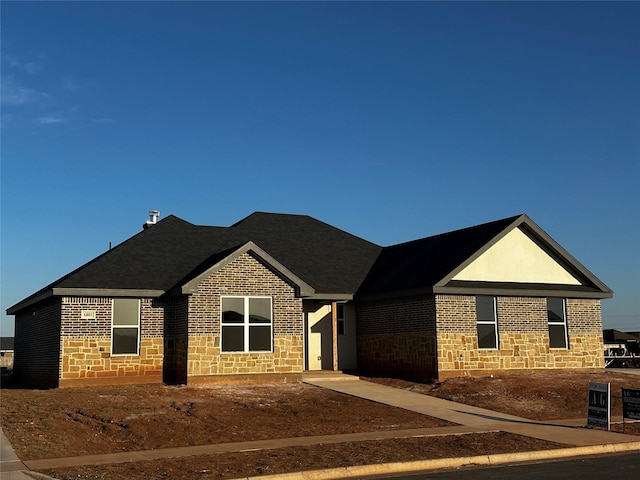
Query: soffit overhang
{"points": [[83, 292]]}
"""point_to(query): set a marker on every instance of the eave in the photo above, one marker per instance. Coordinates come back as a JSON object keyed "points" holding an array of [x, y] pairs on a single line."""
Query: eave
{"points": [[82, 292], [520, 289]]}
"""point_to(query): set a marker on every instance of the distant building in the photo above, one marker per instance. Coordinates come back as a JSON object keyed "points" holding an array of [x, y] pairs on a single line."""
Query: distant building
{"points": [[622, 349], [6, 352]]}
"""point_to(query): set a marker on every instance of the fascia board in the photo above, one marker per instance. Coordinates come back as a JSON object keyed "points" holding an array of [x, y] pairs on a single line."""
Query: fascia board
{"points": [[570, 261], [336, 297], [108, 292], [29, 302], [304, 288], [526, 292], [84, 292]]}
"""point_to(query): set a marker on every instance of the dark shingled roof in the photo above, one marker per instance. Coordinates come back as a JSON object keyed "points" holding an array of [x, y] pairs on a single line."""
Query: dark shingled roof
{"points": [[616, 336], [420, 264], [334, 263], [172, 251], [329, 259]]}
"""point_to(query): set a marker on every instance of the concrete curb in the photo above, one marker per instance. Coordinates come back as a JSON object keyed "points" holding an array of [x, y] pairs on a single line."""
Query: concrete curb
{"points": [[421, 465]]}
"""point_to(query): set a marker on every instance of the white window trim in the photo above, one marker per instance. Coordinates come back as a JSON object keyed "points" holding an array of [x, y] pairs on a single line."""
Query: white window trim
{"points": [[487, 322], [563, 323], [246, 325], [125, 326]]}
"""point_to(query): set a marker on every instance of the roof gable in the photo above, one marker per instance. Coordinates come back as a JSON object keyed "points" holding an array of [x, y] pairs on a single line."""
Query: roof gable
{"points": [[416, 266], [479, 259], [516, 257], [558, 274], [303, 288]]}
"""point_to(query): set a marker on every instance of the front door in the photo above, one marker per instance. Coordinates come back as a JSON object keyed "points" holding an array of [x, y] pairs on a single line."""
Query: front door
{"points": [[319, 341]]}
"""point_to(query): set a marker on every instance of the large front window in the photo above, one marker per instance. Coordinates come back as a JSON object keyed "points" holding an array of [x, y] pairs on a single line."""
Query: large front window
{"points": [[557, 319], [247, 324], [487, 322], [125, 326]]}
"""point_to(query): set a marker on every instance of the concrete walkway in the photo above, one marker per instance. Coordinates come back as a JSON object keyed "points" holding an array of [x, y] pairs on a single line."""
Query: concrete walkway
{"points": [[10, 465], [470, 420], [566, 432]]}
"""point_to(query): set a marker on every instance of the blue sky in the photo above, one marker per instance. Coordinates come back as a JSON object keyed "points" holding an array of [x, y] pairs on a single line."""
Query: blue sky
{"points": [[393, 121]]}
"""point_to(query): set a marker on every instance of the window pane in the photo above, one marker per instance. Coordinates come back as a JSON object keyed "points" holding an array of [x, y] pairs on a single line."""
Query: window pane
{"points": [[232, 310], [259, 310], [487, 336], [557, 337], [232, 339], [555, 309], [125, 311], [260, 338], [485, 309], [125, 341]]}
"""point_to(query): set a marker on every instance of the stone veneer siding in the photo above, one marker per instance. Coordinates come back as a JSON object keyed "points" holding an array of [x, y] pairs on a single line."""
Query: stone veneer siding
{"points": [[37, 345], [523, 336], [245, 276], [397, 336], [86, 344]]}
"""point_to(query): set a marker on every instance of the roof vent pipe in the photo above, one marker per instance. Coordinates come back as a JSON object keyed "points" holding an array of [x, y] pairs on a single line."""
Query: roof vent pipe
{"points": [[153, 218]]}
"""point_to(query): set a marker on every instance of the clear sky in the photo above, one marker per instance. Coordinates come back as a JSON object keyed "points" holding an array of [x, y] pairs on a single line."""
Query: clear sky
{"points": [[393, 121]]}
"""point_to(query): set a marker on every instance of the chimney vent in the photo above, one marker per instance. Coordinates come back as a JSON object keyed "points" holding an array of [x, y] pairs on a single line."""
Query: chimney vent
{"points": [[153, 218]]}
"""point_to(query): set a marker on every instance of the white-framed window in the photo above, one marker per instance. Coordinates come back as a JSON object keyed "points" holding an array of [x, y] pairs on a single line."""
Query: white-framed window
{"points": [[487, 322], [557, 319], [125, 326], [246, 324]]}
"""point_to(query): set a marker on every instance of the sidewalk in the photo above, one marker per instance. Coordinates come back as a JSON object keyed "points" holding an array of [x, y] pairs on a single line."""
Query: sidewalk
{"points": [[10, 465], [560, 432], [470, 420]]}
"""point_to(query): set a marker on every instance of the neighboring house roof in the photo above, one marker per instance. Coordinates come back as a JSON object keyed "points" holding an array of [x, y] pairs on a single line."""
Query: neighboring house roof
{"points": [[6, 343], [319, 260], [616, 336]]}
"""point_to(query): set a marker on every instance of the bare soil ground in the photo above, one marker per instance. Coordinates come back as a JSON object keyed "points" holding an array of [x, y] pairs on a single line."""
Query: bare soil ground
{"points": [[94, 420], [535, 394]]}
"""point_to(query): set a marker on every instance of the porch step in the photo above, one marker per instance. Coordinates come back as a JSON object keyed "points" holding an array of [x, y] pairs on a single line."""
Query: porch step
{"points": [[312, 376]]}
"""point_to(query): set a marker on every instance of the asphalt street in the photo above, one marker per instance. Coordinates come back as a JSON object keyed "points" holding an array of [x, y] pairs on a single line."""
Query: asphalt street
{"points": [[620, 466]]}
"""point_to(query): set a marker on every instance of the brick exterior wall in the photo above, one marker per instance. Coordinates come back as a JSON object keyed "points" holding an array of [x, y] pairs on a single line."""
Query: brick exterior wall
{"points": [[37, 345], [244, 276], [397, 336], [86, 344], [523, 336]]}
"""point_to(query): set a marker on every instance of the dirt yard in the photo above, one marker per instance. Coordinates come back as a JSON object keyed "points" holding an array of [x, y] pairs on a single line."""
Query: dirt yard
{"points": [[536, 395], [93, 420]]}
